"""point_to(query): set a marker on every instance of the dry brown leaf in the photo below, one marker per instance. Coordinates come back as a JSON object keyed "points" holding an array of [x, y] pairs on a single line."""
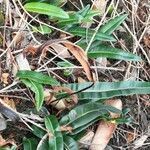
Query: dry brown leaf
{"points": [[147, 40], [30, 50], [63, 103], [9, 102], [61, 50], [130, 136], [4, 142], [8, 111], [81, 80], [66, 128], [68, 91], [18, 37], [4, 78], [81, 56], [76, 51], [105, 130]]}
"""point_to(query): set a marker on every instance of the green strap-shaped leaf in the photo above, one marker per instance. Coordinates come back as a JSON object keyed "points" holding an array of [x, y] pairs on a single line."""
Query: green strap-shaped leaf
{"points": [[38, 131], [46, 9], [84, 114], [38, 90], [105, 90], [83, 32], [113, 24], [29, 144], [70, 143], [56, 138], [37, 77], [114, 53]]}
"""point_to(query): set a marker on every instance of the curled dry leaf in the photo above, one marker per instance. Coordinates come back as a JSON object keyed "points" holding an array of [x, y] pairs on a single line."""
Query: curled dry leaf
{"points": [[81, 56], [63, 103], [61, 50], [49, 97], [75, 50], [7, 111], [4, 142], [130, 136], [4, 78], [105, 130], [68, 91], [18, 37]]}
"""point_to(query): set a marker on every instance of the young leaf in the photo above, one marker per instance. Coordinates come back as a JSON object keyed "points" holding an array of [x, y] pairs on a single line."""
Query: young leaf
{"points": [[106, 90], [29, 144], [113, 24], [46, 9], [114, 53], [37, 77], [70, 143], [83, 32], [38, 90]]}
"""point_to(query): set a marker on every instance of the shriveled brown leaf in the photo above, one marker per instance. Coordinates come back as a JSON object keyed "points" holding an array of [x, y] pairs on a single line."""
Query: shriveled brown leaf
{"points": [[9, 102], [49, 96], [130, 136], [147, 40], [81, 56], [7, 111], [4, 78], [66, 128], [61, 50], [75, 50], [4, 142], [18, 37]]}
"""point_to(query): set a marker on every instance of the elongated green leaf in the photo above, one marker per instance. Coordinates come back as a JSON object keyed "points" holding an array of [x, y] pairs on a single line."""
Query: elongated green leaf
{"points": [[82, 16], [83, 32], [56, 140], [84, 114], [46, 9], [113, 24], [38, 90], [58, 2], [51, 123], [114, 53], [70, 143], [29, 144], [105, 90], [38, 131], [82, 128], [44, 145], [37, 77]]}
